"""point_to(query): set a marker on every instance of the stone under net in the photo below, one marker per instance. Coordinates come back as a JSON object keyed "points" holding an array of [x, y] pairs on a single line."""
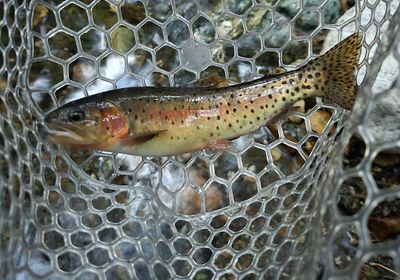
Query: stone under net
{"points": [[302, 198]]}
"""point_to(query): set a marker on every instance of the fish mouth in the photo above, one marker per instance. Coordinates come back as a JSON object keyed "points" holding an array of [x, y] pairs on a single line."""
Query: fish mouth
{"points": [[67, 135]]}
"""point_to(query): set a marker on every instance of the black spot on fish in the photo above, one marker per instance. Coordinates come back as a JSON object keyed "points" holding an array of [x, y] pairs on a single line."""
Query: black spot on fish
{"points": [[300, 76], [234, 110], [130, 110]]}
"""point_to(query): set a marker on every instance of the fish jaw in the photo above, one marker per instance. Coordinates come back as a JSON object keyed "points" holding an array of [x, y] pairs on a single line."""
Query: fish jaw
{"points": [[70, 135]]}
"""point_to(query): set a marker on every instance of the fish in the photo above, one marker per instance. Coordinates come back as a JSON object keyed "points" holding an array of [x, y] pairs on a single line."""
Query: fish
{"points": [[167, 121]]}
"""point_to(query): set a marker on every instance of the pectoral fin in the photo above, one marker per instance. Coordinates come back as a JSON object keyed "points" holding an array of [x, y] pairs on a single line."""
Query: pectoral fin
{"points": [[220, 144], [140, 139]]}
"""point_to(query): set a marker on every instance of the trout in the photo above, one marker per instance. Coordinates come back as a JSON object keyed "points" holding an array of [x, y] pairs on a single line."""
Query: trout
{"points": [[164, 121]]}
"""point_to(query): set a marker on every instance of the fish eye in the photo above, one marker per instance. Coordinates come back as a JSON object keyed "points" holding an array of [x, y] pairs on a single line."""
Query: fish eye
{"points": [[76, 115]]}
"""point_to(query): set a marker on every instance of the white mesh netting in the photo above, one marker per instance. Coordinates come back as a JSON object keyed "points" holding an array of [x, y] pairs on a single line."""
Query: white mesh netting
{"points": [[286, 202]]}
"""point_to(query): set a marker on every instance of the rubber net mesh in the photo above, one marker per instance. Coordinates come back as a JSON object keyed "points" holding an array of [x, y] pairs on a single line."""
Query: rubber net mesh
{"points": [[302, 198]]}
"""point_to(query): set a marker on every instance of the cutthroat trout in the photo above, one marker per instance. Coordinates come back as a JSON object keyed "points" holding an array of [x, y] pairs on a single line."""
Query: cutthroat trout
{"points": [[161, 121]]}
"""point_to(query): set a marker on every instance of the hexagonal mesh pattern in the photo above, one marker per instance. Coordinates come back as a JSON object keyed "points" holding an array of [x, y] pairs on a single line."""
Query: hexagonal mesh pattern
{"points": [[251, 212]]}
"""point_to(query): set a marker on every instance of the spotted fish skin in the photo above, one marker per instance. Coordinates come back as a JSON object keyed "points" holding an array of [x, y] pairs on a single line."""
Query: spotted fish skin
{"points": [[170, 121]]}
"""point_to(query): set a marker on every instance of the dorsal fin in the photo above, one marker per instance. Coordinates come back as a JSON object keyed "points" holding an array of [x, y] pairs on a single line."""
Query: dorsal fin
{"points": [[212, 81], [274, 72]]}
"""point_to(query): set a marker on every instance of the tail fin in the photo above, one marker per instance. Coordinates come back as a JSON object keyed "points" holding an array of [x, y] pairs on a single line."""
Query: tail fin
{"points": [[339, 65]]}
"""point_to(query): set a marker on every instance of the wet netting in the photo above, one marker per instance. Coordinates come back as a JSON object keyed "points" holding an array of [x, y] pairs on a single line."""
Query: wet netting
{"points": [[312, 196]]}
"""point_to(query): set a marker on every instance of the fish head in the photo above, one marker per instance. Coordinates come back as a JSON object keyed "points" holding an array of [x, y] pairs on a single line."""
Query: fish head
{"points": [[87, 124]]}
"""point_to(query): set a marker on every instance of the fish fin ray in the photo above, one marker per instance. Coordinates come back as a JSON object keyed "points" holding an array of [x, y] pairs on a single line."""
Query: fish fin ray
{"points": [[281, 115], [220, 144], [140, 139], [339, 65], [213, 81], [274, 72]]}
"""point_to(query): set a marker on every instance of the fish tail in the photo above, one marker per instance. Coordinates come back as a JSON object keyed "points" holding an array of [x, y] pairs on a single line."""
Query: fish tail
{"points": [[338, 68]]}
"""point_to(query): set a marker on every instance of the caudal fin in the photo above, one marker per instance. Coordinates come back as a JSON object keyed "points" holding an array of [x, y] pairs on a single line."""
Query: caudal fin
{"points": [[339, 65]]}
